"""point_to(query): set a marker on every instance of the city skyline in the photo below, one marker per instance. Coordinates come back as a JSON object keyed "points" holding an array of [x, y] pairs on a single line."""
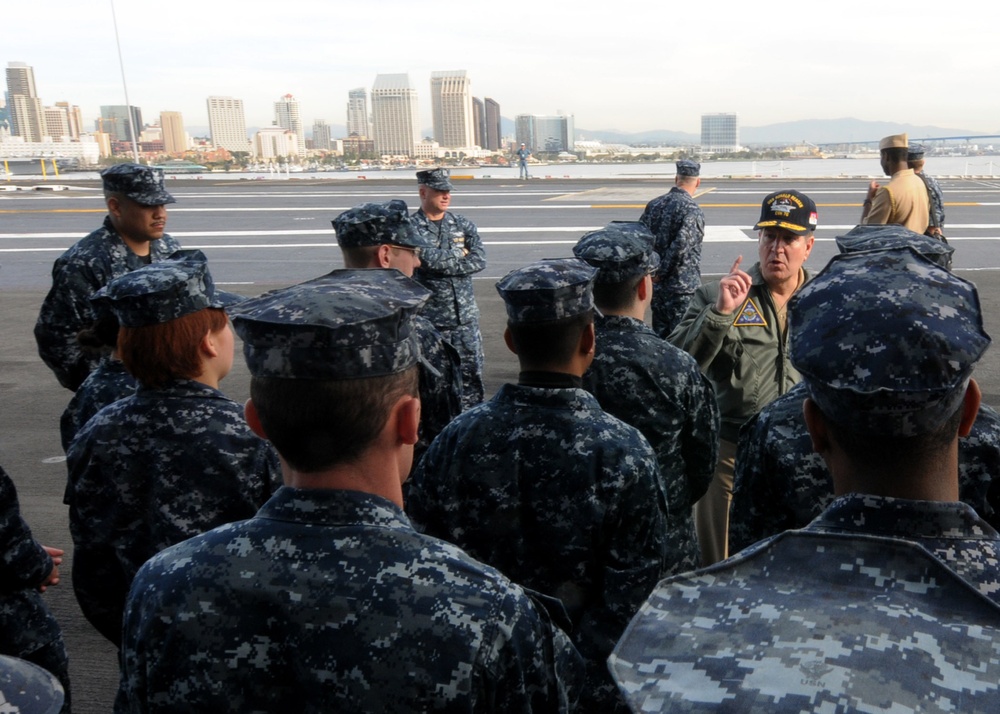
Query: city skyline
{"points": [[637, 69]]}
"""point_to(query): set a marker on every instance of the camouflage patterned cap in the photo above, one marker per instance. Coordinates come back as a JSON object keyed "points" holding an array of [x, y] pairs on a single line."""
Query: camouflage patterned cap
{"points": [[141, 184], [348, 324], [791, 210], [620, 251], [886, 341], [548, 290], [686, 167], [164, 291], [893, 236], [27, 688], [438, 179], [377, 224], [915, 152]]}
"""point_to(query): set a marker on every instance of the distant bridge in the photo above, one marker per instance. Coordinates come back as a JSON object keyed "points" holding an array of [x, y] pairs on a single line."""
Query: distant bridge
{"points": [[920, 139]]}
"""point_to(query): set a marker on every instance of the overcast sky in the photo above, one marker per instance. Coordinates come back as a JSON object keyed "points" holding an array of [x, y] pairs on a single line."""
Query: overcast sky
{"points": [[628, 66]]}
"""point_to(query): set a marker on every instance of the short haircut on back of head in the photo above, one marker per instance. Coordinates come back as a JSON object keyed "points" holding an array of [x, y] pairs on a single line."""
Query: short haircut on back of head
{"points": [[548, 344], [156, 354], [359, 257], [617, 296], [318, 424], [892, 453]]}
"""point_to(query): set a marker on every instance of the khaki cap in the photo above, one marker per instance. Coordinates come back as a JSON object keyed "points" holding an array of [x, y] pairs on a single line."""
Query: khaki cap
{"points": [[896, 141]]}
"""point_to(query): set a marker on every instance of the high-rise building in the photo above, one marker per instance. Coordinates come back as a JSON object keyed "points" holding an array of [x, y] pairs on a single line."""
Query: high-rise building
{"points": [[286, 115], [322, 139], [27, 117], [228, 124], [394, 115], [451, 109], [122, 122], [74, 117], [357, 113], [720, 133], [494, 134], [479, 122], [544, 133], [57, 122], [175, 139]]}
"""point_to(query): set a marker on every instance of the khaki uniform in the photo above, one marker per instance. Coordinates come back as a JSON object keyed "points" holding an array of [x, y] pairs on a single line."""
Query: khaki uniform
{"points": [[903, 200]]}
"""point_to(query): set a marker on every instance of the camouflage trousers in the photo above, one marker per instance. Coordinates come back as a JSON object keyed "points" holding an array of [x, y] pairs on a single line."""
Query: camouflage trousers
{"points": [[668, 310], [468, 342]]}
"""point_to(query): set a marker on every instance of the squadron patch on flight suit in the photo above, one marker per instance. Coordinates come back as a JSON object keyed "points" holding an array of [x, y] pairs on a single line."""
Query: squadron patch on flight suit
{"points": [[750, 315]]}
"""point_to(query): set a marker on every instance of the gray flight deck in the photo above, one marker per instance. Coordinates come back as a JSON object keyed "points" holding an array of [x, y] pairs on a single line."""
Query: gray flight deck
{"points": [[264, 234]]}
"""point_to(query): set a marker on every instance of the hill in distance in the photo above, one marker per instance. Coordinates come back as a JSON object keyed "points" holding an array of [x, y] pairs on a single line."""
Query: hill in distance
{"points": [[814, 131]]}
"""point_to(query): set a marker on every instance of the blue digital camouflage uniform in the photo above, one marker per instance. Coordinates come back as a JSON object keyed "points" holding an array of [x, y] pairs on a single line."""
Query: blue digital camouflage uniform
{"points": [[26, 688], [164, 464], [79, 272], [151, 470], [781, 483], [650, 384], [658, 389], [560, 496], [936, 199], [880, 604], [678, 223], [814, 622], [330, 601], [90, 264], [373, 224], [108, 383], [446, 270], [27, 628]]}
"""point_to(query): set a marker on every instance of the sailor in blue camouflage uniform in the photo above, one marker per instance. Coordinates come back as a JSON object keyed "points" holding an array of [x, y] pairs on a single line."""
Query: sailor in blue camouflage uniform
{"points": [[935, 198], [678, 224], [382, 235], [132, 236], [176, 458], [781, 483], [543, 484], [328, 600], [889, 601], [109, 381], [647, 382], [446, 269], [27, 628]]}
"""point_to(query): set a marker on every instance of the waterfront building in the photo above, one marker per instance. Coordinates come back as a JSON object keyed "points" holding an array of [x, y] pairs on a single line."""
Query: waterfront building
{"points": [[275, 142], [287, 116], [24, 107], [122, 122], [87, 151], [394, 115], [322, 139], [494, 134], [357, 113], [451, 109], [358, 147], [227, 124], [544, 133], [175, 140], [720, 133]]}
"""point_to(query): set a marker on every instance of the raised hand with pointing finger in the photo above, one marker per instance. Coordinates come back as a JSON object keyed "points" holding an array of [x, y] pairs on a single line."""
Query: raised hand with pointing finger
{"points": [[733, 289]]}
